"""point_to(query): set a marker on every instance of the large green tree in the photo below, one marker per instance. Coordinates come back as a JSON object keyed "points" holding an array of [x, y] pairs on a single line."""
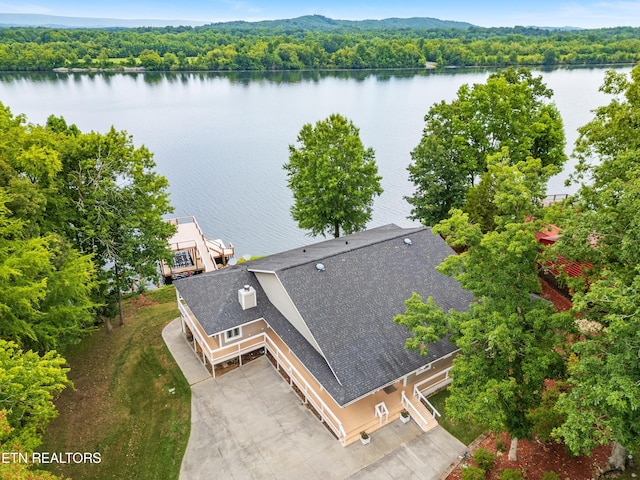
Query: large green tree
{"points": [[511, 109], [46, 286], [602, 228], [509, 340], [111, 205], [333, 178]]}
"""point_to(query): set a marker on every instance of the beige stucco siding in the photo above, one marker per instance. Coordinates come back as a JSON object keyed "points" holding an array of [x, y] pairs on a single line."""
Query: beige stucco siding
{"points": [[436, 371], [280, 299], [247, 330]]}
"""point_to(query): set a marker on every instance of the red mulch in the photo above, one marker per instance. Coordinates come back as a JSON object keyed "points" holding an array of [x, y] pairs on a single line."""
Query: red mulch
{"points": [[535, 458]]}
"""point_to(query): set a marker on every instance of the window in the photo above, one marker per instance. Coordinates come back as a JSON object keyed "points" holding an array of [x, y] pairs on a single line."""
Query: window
{"points": [[233, 333]]}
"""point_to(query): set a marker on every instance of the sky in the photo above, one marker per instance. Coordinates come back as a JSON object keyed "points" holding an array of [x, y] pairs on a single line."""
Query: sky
{"points": [[543, 13]]}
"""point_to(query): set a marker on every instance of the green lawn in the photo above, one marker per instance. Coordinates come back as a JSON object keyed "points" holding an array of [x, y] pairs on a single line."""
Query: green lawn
{"points": [[131, 402], [465, 432]]}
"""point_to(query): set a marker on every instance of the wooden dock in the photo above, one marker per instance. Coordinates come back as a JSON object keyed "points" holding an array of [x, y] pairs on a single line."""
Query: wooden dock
{"points": [[194, 252]]}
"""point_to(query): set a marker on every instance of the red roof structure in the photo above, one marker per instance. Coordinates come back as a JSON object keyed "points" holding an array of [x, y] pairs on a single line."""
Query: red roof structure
{"points": [[549, 236]]}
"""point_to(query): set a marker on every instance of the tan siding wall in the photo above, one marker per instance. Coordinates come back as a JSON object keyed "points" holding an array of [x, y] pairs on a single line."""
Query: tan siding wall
{"points": [[248, 330], [436, 366]]}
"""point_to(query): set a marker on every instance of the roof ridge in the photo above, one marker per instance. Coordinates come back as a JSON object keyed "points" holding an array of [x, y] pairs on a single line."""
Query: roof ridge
{"points": [[397, 232], [357, 247]]}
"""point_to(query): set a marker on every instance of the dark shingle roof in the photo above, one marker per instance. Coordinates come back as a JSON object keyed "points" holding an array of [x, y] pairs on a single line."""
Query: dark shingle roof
{"points": [[348, 307], [317, 251]]}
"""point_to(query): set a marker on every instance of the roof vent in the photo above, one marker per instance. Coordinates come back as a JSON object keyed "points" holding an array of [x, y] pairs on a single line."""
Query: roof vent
{"points": [[247, 297], [407, 241], [320, 267]]}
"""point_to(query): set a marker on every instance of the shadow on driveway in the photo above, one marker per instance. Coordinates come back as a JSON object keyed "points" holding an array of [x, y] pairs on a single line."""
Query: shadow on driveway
{"points": [[248, 424]]}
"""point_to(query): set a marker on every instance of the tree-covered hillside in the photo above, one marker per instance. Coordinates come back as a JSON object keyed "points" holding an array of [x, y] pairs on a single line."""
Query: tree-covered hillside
{"points": [[312, 42], [318, 23]]}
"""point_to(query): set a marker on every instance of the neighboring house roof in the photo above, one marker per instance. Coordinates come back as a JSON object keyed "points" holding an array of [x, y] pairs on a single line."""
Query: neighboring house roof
{"points": [[348, 308], [549, 236]]}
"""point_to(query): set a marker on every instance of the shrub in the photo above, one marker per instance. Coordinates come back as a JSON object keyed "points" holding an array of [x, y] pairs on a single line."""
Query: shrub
{"points": [[500, 446], [550, 476], [484, 458], [473, 473], [511, 475]]}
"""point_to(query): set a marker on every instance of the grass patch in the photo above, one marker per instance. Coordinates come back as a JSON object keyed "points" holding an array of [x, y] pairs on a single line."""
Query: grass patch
{"points": [[465, 432], [122, 405]]}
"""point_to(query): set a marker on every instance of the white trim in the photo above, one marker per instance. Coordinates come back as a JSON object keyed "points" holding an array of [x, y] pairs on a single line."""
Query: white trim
{"points": [[236, 334], [242, 325], [423, 369], [255, 270]]}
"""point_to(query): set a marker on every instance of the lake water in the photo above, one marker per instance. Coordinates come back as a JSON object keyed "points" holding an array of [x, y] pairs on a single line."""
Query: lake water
{"points": [[221, 139]]}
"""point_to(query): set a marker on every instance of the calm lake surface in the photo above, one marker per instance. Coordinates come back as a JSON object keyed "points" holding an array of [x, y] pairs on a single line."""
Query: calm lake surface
{"points": [[221, 139]]}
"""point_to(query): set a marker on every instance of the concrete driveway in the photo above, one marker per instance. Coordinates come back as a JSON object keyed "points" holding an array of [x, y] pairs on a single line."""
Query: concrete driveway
{"points": [[249, 424]]}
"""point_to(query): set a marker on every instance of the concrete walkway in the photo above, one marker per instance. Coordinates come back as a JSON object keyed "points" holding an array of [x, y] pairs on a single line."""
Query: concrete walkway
{"points": [[249, 424]]}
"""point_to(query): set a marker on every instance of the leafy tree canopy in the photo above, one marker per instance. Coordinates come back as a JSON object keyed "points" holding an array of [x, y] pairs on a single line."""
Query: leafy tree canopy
{"points": [[509, 340], [111, 203], [511, 110], [46, 286], [312, 42], [28, 385], [333, 177], [602, 228]]}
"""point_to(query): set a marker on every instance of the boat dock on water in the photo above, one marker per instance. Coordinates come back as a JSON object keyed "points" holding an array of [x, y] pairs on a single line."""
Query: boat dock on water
{"points": [[194, 252]]}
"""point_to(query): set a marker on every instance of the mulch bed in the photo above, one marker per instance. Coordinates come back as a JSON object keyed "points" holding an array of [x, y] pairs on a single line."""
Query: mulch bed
{"points": [[535, 458]]}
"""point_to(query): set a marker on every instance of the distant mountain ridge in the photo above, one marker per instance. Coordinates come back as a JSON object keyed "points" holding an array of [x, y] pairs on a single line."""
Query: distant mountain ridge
{"points": [[321, 23], [307, 22], [53, 21]]}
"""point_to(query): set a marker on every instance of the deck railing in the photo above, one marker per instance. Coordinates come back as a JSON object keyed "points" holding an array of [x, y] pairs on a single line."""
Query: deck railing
{"points": [[413, 411], [446, 380], [556, 197], [418, 394], [190, 219], [194, 330], [310, 395], [263, 340]]}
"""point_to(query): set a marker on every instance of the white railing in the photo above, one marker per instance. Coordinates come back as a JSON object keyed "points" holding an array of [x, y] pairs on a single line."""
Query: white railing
{"points": [[194, 331], [264, 341], [446, 380], [556, 197], [190, 219], [382, 411], [234, 350], [413, 411], [418, 394], [310, 395], [182, 245]]}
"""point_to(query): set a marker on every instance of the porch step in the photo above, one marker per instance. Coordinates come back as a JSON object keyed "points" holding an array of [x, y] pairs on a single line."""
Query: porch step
{"points": [[373, 424], [430, 422]]}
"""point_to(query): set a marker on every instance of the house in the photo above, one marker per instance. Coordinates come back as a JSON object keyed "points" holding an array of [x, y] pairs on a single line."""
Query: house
{"points": [[324, 315]]}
